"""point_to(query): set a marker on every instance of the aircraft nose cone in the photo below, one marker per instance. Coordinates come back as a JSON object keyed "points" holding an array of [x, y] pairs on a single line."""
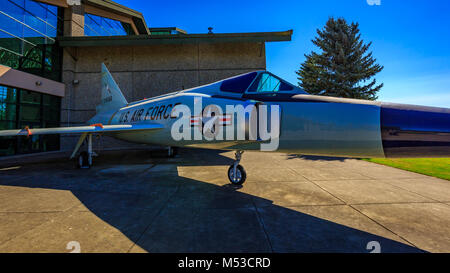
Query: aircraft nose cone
{"points": [[415, 131]]}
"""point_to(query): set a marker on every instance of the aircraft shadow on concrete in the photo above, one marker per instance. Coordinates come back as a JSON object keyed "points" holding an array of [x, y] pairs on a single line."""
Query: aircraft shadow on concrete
{"points": [[164, 212]]}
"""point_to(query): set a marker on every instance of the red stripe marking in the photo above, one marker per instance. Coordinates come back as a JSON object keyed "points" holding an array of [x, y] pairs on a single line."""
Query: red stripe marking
{"points": [[97, 125]]}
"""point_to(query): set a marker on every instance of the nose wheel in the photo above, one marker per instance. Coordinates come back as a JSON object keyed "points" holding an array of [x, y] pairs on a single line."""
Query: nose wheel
{"points": [[236, 173]]}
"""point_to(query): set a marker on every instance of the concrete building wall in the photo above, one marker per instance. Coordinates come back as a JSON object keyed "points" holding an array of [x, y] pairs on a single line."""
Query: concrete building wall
{"points": [[74, 20], [147, 71]]}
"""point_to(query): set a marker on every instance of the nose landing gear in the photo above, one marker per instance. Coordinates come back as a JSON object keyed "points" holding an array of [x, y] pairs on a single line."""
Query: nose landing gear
{"points": [[236, 173]]}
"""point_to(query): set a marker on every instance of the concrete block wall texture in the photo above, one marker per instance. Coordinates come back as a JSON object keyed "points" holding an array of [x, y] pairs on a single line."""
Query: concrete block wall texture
{"points": [[147, 71], [74, 20]]}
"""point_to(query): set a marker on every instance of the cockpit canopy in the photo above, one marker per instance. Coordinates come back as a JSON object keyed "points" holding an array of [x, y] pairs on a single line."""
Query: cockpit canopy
{"points": [[259, 82]]}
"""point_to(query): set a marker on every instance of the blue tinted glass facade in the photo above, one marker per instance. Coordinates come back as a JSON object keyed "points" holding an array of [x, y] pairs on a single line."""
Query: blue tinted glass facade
{"points": [[20, 108], [101, 26], [27, 37], [28, 31]]}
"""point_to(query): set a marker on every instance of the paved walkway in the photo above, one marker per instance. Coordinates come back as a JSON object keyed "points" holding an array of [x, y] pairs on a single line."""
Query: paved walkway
{"points": [[141, 201]]}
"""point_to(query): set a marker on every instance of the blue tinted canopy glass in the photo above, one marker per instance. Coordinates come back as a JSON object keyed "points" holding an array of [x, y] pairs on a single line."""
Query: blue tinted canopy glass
{"points": [[238, 84], [267, 82]]}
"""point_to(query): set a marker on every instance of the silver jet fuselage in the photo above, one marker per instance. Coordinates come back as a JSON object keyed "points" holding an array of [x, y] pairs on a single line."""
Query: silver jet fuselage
{"points": [[314, 125]]}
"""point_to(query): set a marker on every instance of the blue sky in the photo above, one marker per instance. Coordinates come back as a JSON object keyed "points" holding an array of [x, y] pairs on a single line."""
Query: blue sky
{"points": [[411, 39]]}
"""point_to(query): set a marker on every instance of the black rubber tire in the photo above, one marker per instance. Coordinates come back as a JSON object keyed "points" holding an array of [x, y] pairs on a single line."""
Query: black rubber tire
{"points": [[243, 174], [83, 160], [174, 152]]}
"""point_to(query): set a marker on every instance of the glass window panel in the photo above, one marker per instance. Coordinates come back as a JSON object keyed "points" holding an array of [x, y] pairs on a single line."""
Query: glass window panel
{"points": [[7, 145], [51, 31], [94, 24], [7, 125], [46, 114], [11, 26], [34, 24], [20, 3], [50, 116], [107, 26], [30, 66], [13, 9], [101, 26], [40, 18], [52, 11], [29, 123], [10, 43], [7, 94], [30, 97], [48, 64], [34, 54], [8, 58], [39, 21], [51, 110], [36, 9], [90, 32], [34, 36], [51, 124], [104, 24], [50, 51], [35, 16], [7, 111], [46, 99], [117, 26], [30, 113], [27, 47], [52, 101]]}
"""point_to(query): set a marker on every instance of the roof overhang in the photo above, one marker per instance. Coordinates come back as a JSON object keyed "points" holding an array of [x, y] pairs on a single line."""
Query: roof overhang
{"points": [[135, 40], [157, 29], [19, 79]]}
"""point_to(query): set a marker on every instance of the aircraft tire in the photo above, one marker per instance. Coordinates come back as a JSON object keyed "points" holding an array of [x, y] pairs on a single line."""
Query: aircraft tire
{"points": [[174, 152], [83, 161], [241, 174]]}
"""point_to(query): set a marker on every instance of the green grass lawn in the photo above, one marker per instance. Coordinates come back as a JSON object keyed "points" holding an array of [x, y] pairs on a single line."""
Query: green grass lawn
{"points": [[437, 167]]}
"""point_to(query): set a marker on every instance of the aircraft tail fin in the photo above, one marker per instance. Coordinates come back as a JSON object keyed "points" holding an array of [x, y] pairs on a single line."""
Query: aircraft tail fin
{"points": [[112, 97]]}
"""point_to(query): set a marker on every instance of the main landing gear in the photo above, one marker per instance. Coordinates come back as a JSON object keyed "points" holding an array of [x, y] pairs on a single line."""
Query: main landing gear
{"points": [[236, 173], [172, 151], [85, 157]]}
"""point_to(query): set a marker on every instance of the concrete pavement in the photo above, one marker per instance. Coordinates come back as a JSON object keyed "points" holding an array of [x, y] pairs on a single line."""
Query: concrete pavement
{"points": [[144, 202]]}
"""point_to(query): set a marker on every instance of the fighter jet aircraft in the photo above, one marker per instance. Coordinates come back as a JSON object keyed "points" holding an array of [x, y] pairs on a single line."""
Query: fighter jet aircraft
{"points": [[233, 114]]}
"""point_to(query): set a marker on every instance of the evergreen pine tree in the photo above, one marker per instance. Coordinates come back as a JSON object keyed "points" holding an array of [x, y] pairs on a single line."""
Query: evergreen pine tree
{"points": [[343, 68]]}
